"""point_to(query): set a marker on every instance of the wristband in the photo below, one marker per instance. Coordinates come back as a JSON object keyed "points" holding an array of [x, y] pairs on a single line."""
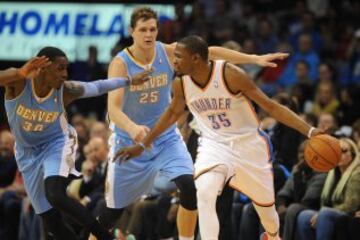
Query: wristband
{"points": [[310, 132]]}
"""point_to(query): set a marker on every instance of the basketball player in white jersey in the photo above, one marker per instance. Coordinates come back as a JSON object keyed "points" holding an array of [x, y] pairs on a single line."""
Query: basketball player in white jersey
{"points": [[232, 146]]}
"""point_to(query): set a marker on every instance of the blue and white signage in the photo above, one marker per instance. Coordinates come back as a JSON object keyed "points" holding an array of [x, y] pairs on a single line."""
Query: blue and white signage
{"points": [[27, 27]]}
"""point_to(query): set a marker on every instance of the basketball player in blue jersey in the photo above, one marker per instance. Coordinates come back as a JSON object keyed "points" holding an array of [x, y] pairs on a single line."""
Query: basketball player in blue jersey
{"points": [[232, 147], [35, 99], [135, 109]]}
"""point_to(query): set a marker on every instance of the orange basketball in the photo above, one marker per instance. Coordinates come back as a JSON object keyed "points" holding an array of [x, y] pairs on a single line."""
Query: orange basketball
{"points": [[322, 152]]}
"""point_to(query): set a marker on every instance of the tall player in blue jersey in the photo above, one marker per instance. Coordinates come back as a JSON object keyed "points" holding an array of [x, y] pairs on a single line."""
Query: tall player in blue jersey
{"points": [[35, 97], [135, 109]]}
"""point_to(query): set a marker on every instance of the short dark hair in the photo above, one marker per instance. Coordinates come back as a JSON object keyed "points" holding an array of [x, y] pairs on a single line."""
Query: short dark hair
{"points": [[51, 53], [145, 13], [195, 44]]}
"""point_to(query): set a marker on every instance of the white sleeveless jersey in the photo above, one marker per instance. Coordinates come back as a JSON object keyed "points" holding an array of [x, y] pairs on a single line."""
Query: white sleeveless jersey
{"points": [[220, 115]]}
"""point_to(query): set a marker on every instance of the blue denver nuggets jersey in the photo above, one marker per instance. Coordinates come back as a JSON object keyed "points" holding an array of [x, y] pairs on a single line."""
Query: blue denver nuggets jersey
{"points": [[144, 104], [35, 121]]}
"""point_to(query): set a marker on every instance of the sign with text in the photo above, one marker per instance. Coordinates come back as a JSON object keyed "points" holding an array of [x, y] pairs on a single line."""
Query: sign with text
{"points": [[27, 27]]}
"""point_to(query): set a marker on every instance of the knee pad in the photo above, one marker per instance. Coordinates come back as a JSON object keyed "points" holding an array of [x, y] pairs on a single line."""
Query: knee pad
{"points": [[55, 190], [186, 186]]}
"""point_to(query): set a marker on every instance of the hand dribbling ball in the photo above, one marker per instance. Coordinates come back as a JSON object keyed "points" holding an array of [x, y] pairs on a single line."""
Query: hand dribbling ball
{"points": [[322, 152]]}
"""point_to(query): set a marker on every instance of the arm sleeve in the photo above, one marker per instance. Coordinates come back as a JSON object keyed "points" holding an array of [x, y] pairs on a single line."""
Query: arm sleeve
{"points": [[99, 87]]}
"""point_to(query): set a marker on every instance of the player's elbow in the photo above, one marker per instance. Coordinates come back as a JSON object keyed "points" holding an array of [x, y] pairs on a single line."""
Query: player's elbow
{"points": [[213, 53]]}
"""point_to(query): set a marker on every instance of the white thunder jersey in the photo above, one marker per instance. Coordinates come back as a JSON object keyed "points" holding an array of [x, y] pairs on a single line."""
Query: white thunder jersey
{"points": [[220, 115], [230, 137]]}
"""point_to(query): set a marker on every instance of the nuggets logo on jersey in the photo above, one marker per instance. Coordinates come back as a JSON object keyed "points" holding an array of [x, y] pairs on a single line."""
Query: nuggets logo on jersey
{"points": [[34, 120], [156, 81]]}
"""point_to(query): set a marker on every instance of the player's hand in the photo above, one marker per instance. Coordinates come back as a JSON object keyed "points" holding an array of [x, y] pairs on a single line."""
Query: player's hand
{"points": [[317, 131], [125, 154], [267, 60], [142, 77], [139, 132], [313, 220], [32, 67]]}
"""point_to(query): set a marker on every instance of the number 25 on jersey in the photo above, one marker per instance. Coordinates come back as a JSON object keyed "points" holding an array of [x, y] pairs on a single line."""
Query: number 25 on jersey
{"points": [[149, 97]]}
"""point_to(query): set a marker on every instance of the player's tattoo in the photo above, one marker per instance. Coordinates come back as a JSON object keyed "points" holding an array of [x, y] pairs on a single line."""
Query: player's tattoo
{"points": [[74, 89]]}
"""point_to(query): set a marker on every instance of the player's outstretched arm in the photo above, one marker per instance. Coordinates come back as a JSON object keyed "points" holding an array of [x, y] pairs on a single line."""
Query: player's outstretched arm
{"points": [[29, 69], [76, 89], [238, 81], [168, 118], [235, 57]]}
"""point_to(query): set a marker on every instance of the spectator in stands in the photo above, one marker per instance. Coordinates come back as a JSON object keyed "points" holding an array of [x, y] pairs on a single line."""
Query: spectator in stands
{"points": [[11, 188], [266, 39], [327, 73], [303, 88], [327, 122], [349, 109], [306, 53], [301, 191], [325, 99], [285, 140], [307, 26], [340, 196], [99, 129]]}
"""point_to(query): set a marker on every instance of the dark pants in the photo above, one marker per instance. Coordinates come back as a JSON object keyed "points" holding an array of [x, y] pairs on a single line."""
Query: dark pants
{"points": [[347, 227], [10, 206]]}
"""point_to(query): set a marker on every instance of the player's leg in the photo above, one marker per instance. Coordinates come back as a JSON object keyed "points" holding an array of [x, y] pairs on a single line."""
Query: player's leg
{"points": [[125, 183], [209, 185], [56, 227], [269, 219], [187, 213], [33, 175], [58, 163], [175, 162], [55, 190], [258, 186], [254, 177]]}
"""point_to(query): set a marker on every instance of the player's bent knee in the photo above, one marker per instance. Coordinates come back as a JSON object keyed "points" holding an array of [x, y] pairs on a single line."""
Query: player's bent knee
{"points": [[186, 186]]}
